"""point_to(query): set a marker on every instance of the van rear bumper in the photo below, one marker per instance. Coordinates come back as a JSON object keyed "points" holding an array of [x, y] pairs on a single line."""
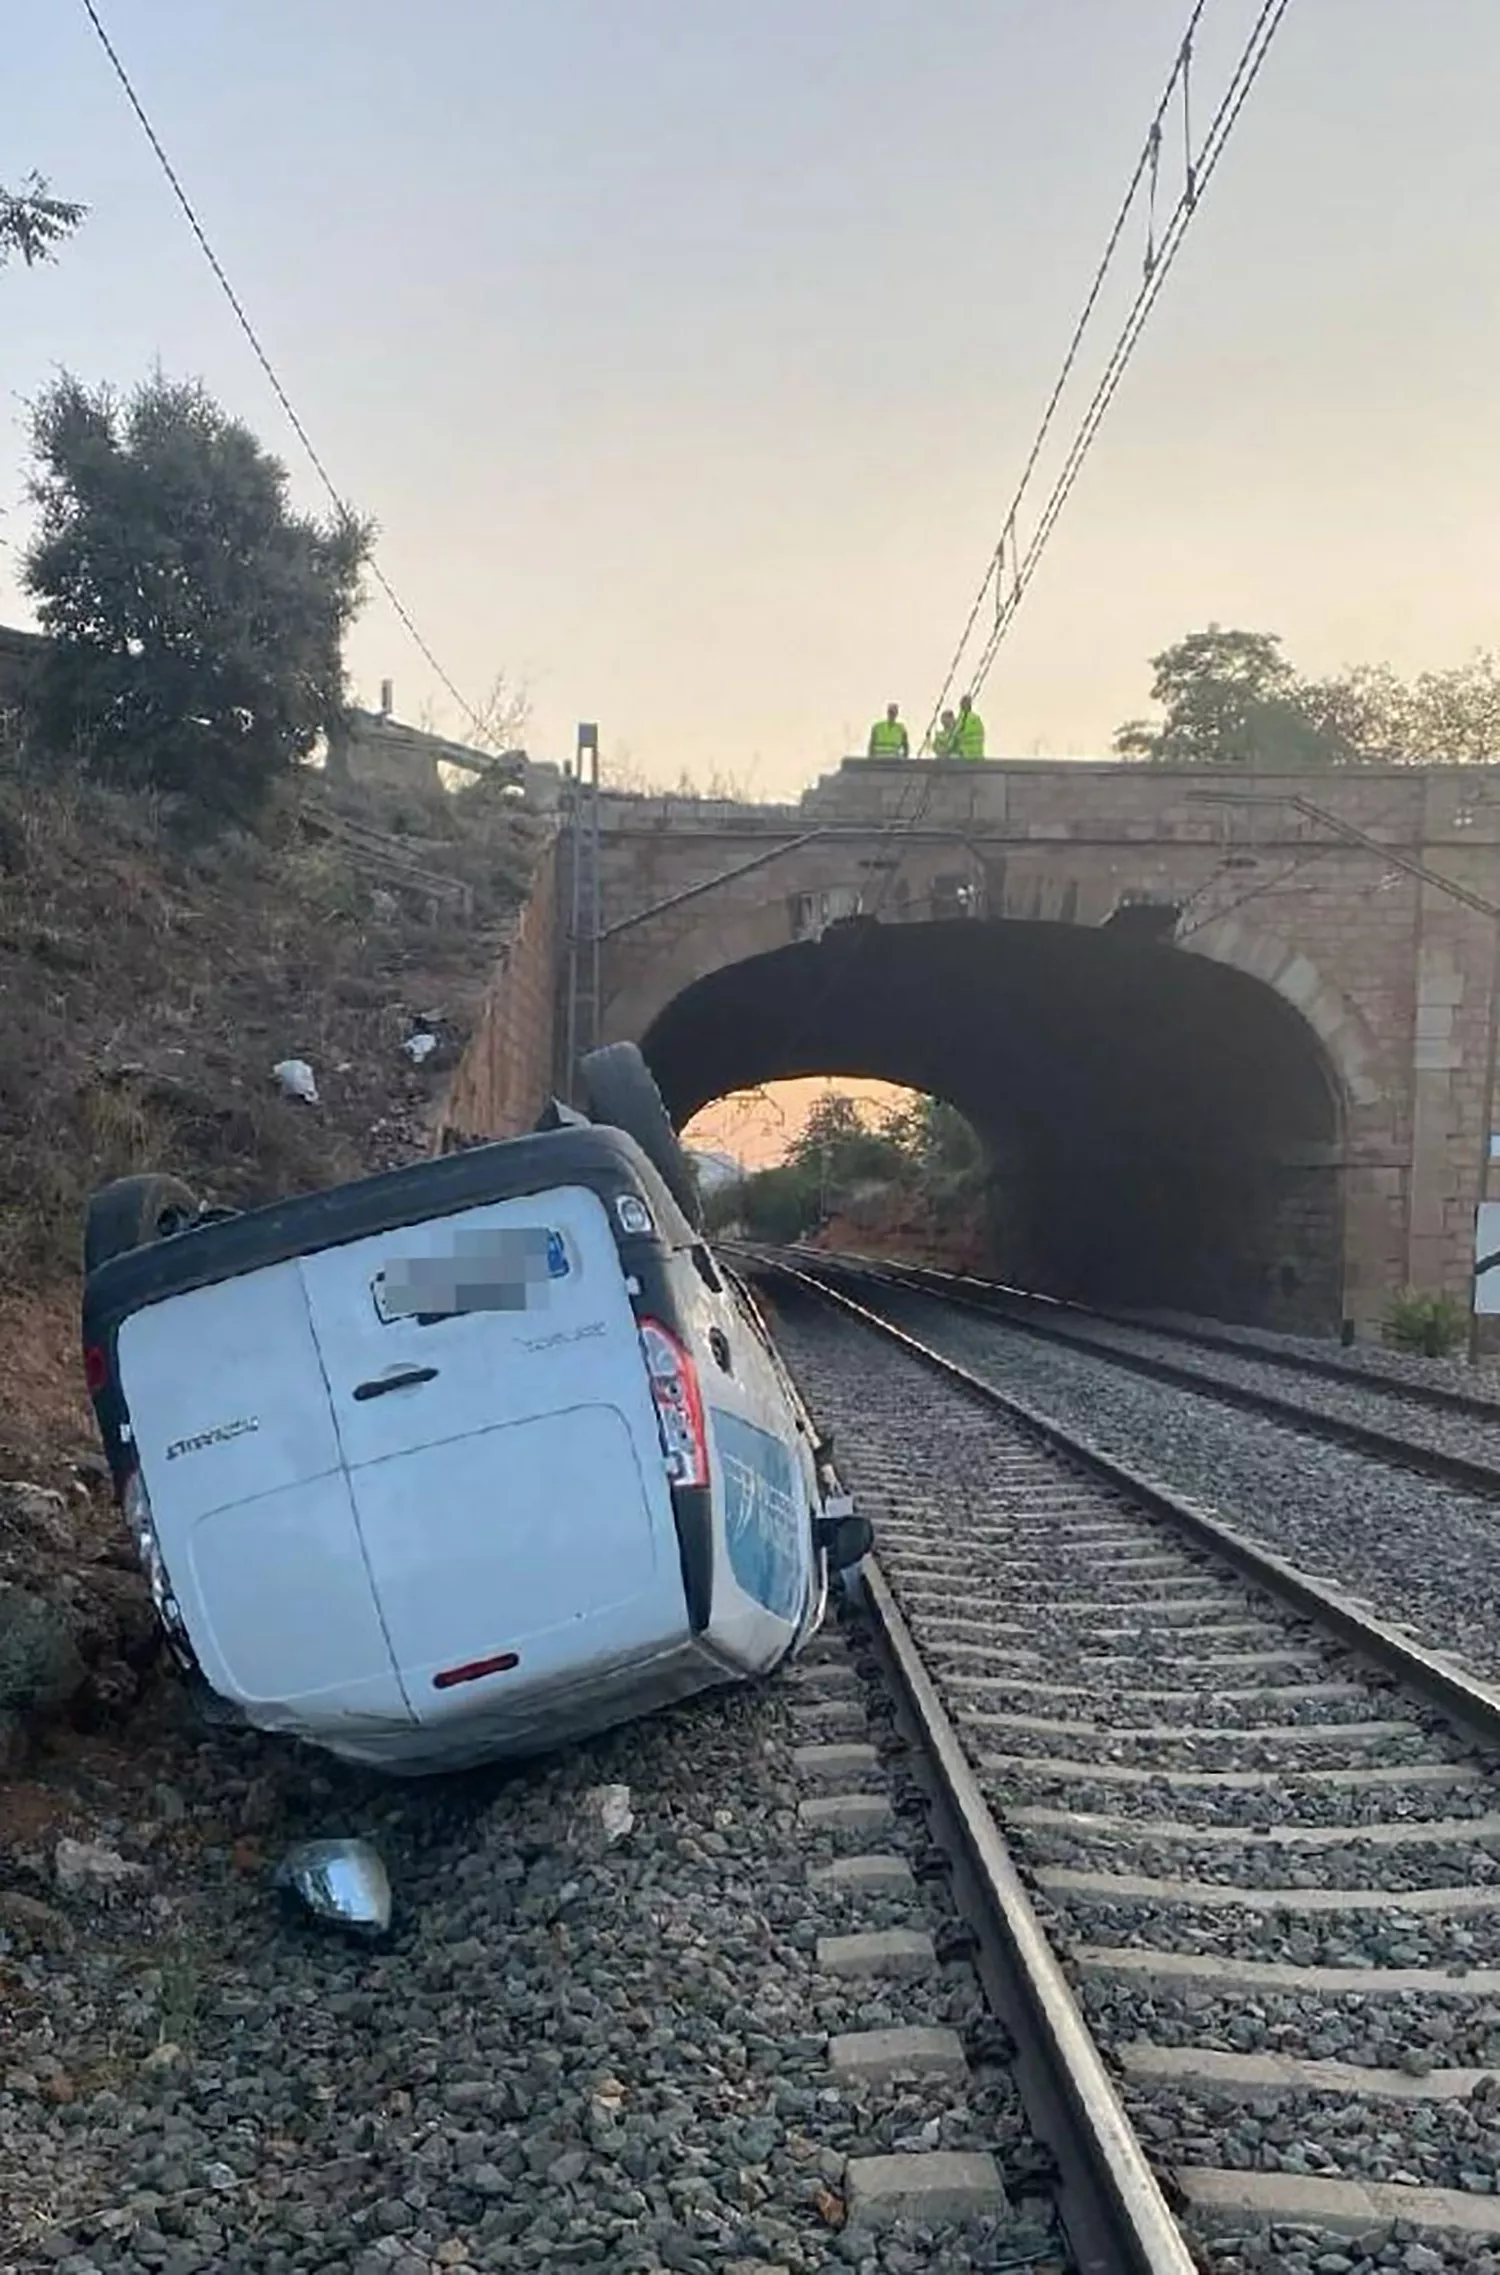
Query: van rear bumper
{"points": [[520, 1720]]}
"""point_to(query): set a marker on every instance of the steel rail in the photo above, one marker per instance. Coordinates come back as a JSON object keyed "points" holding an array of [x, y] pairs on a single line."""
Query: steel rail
{"points": [[1117, 2214], [1445, 1397], [1463, 1698], [1448, 1468], [1118, 2221]]}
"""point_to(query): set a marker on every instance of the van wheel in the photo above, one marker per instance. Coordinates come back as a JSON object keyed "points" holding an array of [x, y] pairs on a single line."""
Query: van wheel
{"points": [[621, 1090], [132, 1212]]}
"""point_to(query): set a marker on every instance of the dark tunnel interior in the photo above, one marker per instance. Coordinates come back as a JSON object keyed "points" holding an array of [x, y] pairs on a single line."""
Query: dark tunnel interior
{"points": [[1163, 1132]]}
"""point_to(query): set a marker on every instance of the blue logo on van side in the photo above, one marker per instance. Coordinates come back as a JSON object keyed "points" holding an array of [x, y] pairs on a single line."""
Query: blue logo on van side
{"points": [[764, 1527], [557, 1256]]}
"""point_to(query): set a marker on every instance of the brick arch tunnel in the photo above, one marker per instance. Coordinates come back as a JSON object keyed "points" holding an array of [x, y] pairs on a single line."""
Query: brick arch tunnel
{"points": [[1163, 1131]]}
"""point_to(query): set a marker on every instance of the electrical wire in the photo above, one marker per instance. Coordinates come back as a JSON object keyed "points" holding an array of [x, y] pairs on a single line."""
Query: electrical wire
{"points": [[1199, 171], [262, 358], [1247, 71], [1144, 165], [1146, 170]]}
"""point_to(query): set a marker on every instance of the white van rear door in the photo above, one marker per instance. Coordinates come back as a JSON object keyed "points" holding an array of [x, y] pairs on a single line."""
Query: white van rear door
{"points": [[501, 1443], [241, 1462]]}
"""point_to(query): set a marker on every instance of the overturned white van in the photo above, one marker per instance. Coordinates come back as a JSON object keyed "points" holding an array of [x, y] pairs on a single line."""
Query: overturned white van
{"points": [[460, 1461]]}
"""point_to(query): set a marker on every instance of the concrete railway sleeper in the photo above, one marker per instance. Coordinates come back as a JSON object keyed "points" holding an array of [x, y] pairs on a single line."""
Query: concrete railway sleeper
{"points": [[1260, 1828], [1438, 1430]]}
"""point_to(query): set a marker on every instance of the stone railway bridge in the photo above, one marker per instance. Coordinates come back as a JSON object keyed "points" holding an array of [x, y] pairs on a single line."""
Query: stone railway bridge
{"points": [[1229, 1040]]}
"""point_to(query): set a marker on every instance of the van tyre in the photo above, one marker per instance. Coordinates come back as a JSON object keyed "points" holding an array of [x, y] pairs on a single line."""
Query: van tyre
{"points": [[131, 1213], [621, 1090]]}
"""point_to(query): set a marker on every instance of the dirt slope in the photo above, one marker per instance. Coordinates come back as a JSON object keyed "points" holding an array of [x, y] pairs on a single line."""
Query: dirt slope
{"points": [[148, 986]]}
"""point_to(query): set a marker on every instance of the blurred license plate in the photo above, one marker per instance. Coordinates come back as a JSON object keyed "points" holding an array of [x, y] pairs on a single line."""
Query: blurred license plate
{"points": [[513, 1270]]}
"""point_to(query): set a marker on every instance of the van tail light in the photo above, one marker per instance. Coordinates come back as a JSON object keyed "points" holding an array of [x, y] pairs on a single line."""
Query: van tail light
{"points": [[136, 1505], [95, 1368], [679, 1405]]}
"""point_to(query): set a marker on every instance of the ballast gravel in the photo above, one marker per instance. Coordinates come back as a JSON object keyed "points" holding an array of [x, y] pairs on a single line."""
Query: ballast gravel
{"points": [[1390, 2244], [1389, 1937], [1256, 1808], [1372, 1362], [1406, 2031], [568, 2056], [1126, 1711], [1356, 1396], [999, 1608], [1421, 1552], [1276, 1865], [1412, 2143]]}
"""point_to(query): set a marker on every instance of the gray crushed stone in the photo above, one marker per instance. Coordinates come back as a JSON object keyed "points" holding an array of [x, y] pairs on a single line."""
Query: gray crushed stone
{"points": [[565, 2057], [904, 1433], [1380, 1401], [1410, 2143], [1424, 1554], [1440, 2031]]}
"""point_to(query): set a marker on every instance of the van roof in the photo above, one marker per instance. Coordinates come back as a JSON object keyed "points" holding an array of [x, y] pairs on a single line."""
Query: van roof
{"points": [[605, 1160]]}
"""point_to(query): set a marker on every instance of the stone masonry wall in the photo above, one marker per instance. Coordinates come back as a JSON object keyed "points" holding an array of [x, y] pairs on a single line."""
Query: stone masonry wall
{"points": [[505, 1075], [1391, 972]]}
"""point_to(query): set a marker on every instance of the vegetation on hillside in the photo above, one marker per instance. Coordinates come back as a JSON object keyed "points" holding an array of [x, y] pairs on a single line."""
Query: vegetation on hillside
{"points": [[921, 1150], [196, 621], [185, 901], [1231, 699]]}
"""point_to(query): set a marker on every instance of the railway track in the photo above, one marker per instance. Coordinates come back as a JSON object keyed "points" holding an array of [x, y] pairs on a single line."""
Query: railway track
{"points": [[1434, 1429], [1230, 1846]]}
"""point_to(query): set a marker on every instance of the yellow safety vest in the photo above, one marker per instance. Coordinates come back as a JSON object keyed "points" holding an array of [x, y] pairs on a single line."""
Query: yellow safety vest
{"points": [[969, 741], [888, 739], [945, 741]]}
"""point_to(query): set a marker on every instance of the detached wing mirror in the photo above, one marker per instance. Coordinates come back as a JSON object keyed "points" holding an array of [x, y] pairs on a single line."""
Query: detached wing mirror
{"points": [[845, 1539], [341, 1883]]}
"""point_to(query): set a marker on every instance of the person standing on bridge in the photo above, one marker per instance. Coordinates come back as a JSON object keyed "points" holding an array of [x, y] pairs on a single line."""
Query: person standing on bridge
{"points": [[945, 741], [888, 736], [968, 731]]}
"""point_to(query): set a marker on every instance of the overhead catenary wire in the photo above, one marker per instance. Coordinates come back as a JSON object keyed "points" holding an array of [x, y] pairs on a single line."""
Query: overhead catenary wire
{"points": [[340, 503], [1247, 71], [1146, 172], [1144, 166], [1199, 168]]}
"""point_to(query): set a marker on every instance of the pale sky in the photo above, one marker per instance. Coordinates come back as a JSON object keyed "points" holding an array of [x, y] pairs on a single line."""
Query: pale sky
{"points": [[687, 353]]}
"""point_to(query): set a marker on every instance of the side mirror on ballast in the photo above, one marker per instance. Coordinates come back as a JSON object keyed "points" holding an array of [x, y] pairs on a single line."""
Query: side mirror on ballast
{"points": [[845, 1539]]}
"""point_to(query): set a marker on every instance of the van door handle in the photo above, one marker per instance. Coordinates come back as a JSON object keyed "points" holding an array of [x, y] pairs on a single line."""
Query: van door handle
{"points": [[403, 1380]]}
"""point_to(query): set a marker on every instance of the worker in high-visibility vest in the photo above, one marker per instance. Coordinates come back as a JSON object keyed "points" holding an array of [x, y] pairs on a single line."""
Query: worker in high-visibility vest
{"points": [[945, 740], [888, 736], [968, 732]]}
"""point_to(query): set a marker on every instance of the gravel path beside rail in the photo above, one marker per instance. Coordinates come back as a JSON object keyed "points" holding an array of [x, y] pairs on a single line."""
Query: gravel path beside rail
{"points": [[570, 2054], [1370, 1362], [1363, 1398]]}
